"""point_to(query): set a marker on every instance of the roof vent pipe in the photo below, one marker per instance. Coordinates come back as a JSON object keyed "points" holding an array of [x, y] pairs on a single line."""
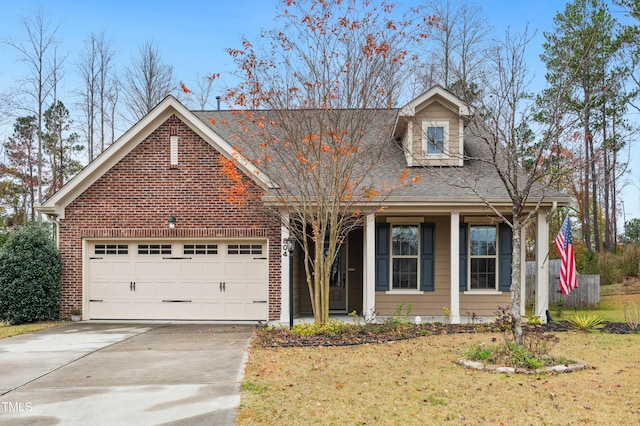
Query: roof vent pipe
{"points": [[218, 100]]}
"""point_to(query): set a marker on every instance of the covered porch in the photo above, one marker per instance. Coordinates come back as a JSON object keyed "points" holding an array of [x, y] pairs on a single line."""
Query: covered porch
{"points": [[444, 275]]}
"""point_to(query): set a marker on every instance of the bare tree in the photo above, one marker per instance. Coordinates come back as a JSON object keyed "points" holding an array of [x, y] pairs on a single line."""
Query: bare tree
{"points": [[6, 106], [41, 78], [105, 84], [95, 67], [204, 85], [456, 45], [519, 137], [308, 95], [111, 105], [147, 81], [88, 71]]}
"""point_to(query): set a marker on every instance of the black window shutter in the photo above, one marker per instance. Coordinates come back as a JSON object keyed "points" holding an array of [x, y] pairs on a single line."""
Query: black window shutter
{"points": [[506, 250], [427, 275], [463, 257], [382, 256]]}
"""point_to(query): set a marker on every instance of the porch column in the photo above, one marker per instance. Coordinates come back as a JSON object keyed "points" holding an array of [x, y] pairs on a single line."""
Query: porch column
{"points": [[284, 272], [523, 271], [454, 308], [369, 267], [542, 262]]}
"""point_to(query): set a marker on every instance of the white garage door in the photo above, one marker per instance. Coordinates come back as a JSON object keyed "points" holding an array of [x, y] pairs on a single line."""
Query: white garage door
{"points": [[181, 280]]}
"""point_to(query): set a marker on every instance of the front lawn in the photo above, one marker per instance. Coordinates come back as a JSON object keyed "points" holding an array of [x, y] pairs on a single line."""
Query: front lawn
{"points": [[13, 330], [613, 308], [418, 381]]}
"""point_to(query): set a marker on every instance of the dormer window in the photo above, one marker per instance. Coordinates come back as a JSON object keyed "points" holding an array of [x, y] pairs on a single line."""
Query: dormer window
{"points": [[435, 135]]}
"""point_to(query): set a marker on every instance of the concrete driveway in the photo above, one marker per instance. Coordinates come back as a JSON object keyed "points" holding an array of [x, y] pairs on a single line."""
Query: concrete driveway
{"points": [[113, 374]]}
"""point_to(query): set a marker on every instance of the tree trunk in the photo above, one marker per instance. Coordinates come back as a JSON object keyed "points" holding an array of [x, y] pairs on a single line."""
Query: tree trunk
{"points": [[516, 269], [606, 185], [594, 196], [585, 214], [614, 201]]}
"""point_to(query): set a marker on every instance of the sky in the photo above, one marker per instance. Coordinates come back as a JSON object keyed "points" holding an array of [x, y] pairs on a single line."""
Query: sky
{"points": [[192, 36]]}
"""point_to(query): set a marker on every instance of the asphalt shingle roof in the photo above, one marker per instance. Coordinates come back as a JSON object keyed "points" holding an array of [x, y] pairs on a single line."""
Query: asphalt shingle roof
{"points": [[437, 184]]}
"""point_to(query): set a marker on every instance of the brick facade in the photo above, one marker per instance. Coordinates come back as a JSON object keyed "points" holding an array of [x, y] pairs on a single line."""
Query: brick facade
{"points": [[137, 195]]}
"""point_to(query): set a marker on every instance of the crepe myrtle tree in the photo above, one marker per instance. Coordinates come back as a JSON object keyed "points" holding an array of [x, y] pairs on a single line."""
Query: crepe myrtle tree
{"points": [[523, 140], [308, 92]]}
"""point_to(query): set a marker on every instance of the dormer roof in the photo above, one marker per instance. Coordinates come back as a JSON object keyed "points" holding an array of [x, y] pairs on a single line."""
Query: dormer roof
{"points": [[427, 98]]}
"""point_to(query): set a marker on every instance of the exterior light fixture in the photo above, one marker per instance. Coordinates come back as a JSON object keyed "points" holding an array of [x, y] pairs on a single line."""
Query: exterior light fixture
{"points": [[172, 222]]}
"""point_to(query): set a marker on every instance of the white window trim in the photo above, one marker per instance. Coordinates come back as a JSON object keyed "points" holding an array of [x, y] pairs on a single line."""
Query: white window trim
{"points": [[435, 123], [393, 290], [478, 291], [404, 291], [483, 291], [405, 220], [407, 144]]}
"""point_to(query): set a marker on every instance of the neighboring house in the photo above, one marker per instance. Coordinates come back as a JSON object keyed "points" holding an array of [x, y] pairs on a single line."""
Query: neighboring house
{"points": [[434, 245]]}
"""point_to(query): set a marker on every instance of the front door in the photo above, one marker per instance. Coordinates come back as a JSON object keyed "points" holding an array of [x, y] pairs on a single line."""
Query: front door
{"points": [[338, 282]]}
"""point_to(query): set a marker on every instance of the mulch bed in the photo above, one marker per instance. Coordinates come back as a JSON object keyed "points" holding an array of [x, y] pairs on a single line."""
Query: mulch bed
{"points": [[378, 333]]}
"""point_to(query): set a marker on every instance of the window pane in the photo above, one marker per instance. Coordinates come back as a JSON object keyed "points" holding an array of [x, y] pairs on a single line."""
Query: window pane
{"points": [[435, 140], [405, 240], [483, 260], [483, 273], [154, 248], [483, 240], [405, 273], [244, 249]]}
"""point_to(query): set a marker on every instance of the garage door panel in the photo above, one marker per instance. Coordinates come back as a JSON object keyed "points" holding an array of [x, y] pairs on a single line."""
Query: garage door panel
{"points": [[191, 311], [235, 310], [235, 290], [213, 309], [190, 290], [256, 269], [213, 269], [100, 310], [172, 309], [256, 291], [166, 290], [145, 289], [191, 270], [209, 282], [101, 289], [244, 310], [105, 269], [155, 268], [256, 311], [211, 290]]}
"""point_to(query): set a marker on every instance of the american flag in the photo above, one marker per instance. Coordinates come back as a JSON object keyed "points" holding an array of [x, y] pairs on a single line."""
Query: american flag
{"points": [[564, 244]]}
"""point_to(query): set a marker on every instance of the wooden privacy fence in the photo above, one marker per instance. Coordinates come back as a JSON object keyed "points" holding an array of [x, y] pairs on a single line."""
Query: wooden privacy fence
{"points": [[585, 296]]}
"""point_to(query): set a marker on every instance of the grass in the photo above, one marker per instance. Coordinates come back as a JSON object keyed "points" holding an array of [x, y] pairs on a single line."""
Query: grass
{"points": [[418, 381], [612, 308], [13, 330]]}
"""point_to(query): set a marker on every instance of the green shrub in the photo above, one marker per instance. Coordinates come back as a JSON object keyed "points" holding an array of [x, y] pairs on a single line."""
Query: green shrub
{"points": [[510, 354], [399, 318], [3, 238], [586, 322], [30, 272], [329, 328], [478, 353], [612, 267]]}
